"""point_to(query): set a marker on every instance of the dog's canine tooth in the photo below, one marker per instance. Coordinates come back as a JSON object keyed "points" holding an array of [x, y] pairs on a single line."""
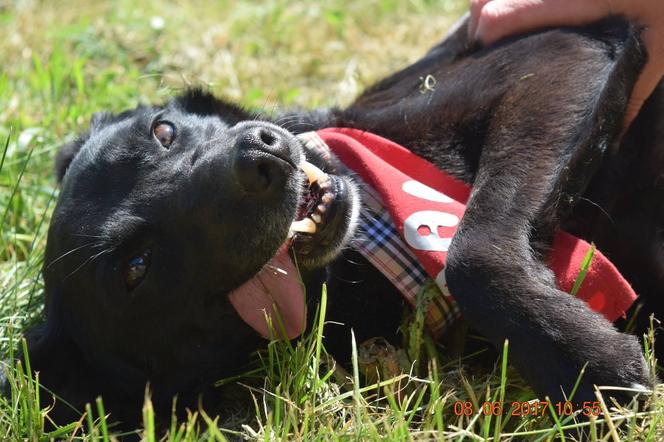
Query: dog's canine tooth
{"points": [[305, 225], [316, 217], [314, 174]]}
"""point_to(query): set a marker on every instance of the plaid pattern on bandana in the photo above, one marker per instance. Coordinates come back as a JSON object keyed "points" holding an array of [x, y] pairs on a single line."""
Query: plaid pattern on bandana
{"points": [[380, 243]]}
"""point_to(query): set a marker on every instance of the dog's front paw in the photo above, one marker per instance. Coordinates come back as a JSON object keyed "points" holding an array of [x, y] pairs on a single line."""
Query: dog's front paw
{"points": [[614, 360]]}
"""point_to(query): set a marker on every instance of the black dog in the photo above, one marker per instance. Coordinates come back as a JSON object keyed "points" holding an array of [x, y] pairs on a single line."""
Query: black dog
{"points": [[166, 210]]}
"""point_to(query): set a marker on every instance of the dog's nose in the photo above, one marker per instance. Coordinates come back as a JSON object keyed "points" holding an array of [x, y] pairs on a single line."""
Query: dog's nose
{"points": [[263, 160]]}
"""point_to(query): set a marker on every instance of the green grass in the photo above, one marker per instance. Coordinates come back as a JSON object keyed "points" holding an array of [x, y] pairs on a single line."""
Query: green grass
{"points": [[63, 61]]}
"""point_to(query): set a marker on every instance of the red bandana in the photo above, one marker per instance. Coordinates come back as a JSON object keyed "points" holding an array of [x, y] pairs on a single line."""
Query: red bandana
{"points": [[427, 205]]}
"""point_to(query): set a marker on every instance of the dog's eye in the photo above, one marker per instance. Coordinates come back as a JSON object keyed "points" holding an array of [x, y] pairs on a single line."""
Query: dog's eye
{"points": [[164, 132], [137, 267]]}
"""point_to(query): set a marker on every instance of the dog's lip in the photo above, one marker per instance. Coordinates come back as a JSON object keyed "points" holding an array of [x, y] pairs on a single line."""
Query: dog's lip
{"points": [[327, 232]]}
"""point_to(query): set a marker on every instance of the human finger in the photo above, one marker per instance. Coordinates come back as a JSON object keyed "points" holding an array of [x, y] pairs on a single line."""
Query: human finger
{"points": [[651, 74], [500, 18], [475, 11]]}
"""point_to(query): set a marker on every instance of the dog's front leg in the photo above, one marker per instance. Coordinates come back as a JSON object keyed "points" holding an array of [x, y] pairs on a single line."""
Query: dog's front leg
{"points": [[506, 292]]}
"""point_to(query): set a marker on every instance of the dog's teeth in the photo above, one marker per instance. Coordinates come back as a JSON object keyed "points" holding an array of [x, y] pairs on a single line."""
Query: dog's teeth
{"points": [[316, 217], [322, 208], [327, 198], [313, 173], [305, 225]]}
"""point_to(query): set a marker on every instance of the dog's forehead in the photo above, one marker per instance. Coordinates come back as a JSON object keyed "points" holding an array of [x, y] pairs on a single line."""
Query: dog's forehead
{"points": [[105, 140], [184, 119]]}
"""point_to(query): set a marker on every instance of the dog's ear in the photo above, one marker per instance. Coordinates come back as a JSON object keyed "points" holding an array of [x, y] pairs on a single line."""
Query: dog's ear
{"points": [[455, 43], [67, 381], [68, 377], [68, 151], [203, 103], [66, 155]]}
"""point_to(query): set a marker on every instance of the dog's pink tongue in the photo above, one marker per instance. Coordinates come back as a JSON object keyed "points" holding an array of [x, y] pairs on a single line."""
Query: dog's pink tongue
{"points": [[277, 284]]}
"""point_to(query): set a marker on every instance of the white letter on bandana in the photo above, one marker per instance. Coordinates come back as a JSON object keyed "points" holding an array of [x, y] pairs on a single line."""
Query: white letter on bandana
{"points": [[431, 220], [423, 191]]}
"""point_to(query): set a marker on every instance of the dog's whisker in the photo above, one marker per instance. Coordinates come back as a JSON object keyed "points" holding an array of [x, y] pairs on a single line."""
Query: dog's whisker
{"points": [[89, 260], [290, 125], [352, 261], [601, 209], [287, 119], [82, 235], [268, 99], [91, 244]]}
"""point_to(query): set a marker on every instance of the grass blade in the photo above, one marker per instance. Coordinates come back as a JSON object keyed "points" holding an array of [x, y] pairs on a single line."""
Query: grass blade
{"points": [[585, 265]]}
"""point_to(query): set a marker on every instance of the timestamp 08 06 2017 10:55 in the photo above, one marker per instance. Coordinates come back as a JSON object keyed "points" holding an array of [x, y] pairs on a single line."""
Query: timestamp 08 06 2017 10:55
{"points": [[527, 408]]}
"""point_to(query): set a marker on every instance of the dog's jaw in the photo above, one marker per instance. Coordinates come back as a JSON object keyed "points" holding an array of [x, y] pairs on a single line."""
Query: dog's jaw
{"points": [[348, 221], [272, 302]]}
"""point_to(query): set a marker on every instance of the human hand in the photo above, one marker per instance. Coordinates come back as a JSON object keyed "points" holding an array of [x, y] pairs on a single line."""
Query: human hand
{"points": [[492, 20]]}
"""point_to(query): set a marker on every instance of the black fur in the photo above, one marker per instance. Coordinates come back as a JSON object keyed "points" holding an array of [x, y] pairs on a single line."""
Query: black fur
{"points": [[528, 122]]}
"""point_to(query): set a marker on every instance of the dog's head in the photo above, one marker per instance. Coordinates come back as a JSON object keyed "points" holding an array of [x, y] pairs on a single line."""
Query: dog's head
{"points": [[176, 224]]}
